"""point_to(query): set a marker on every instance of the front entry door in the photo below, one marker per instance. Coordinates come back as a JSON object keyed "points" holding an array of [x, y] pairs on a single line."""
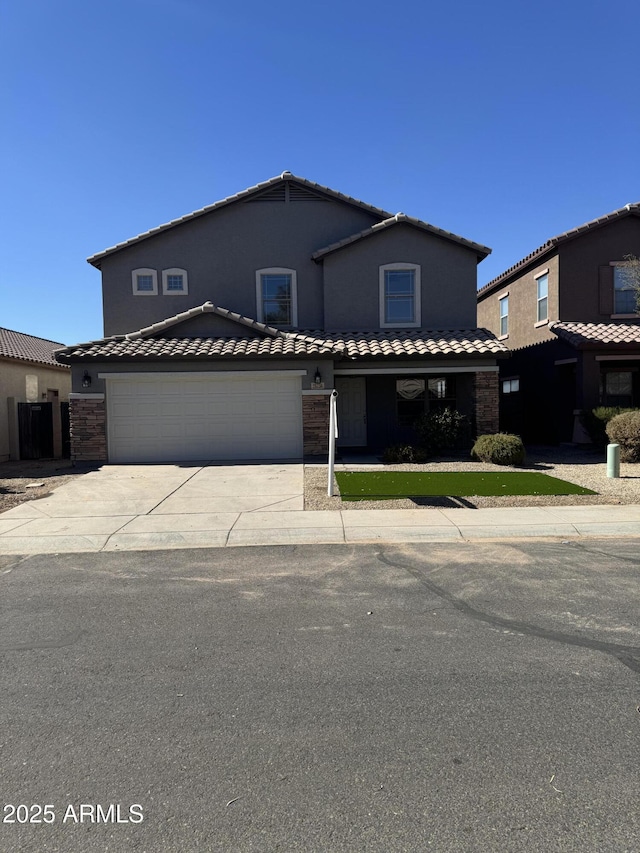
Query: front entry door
{"points": [[352, 411]]}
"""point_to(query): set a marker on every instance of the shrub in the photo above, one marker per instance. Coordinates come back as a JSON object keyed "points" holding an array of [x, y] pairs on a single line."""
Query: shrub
{"points": [[403, 453], [499, 448], [624, 429], [443, 431], [595, 422]]}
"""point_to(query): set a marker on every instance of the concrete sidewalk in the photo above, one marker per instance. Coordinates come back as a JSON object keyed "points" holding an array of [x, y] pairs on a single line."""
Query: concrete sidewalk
{"points": [[152, 507]]}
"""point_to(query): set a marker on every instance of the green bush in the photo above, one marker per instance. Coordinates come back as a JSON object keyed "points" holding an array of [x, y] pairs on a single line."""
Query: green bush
{"points": [[403, 453], [499, 448], [595, 422], [443, 431], [624, 429]]}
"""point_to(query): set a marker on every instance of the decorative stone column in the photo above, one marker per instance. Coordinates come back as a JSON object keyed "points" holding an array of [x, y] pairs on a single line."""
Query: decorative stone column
{"points": [[315, 423], [88, 419], [487, 399]]}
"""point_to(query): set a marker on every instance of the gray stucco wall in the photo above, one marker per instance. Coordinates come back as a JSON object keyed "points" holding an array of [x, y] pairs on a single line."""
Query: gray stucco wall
{"points": [[580, 261], [98, 386], [448, 280], [221, 252]]}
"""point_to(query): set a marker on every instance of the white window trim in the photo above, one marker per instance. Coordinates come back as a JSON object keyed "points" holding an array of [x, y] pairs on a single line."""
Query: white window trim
{"points": [[165, 282], [501, 336], [541, 273], [294, 294], [134, 281], [417, 310], [541, 320]]}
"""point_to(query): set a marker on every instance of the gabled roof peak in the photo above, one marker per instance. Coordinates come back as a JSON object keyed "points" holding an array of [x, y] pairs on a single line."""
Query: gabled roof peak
{"points": [[242, 196], [480, 250], [205, 308], [632, 208]]}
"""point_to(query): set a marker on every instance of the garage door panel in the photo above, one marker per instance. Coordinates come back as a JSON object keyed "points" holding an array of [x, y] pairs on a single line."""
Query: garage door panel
{"points": [[208, 417]]}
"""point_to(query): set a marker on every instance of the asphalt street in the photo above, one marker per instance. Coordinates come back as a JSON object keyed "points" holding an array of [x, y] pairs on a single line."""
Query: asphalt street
{"points": [[446, 697]]}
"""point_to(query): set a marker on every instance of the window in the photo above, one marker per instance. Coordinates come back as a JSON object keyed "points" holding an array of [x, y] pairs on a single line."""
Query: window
{"points": [[624, 292], [399, 295], [543, 297], [144, 282], [277, 296], [510, 386], [616, 388], [504, 316], [174, 282], [441, 393], [410, 397]]}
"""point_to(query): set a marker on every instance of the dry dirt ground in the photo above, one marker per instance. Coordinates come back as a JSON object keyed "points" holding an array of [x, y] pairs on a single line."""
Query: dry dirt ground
{"points": [[28, 480]]}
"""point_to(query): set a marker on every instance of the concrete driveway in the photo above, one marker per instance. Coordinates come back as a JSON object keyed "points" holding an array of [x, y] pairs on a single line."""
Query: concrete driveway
{"points": [[138, 506]]}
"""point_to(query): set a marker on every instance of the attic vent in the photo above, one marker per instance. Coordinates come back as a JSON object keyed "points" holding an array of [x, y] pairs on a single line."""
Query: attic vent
{"points": [[300, 193], [277, 193]]}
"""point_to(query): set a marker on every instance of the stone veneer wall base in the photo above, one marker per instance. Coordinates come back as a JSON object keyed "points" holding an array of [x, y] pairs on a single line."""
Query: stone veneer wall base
{"points": [[487, 385], [315, 424], [88, 419]]}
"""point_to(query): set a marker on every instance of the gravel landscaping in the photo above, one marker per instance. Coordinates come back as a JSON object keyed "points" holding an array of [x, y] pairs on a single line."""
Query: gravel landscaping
{"points": [[584, 467], [28, 480]]}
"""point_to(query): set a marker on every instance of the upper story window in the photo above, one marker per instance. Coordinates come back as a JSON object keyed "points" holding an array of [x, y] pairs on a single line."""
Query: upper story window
{"points": [[144, 282], [399, 295], [175, 282], [542, 282], [504, 315], [277, 298], [624, 289]]}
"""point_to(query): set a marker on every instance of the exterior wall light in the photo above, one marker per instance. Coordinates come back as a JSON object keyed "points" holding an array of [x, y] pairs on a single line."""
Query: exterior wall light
{"points": [[86, 380], [317, 379]]}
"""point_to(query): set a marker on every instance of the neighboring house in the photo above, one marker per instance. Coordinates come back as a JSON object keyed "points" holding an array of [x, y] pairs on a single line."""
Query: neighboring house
{"points": [[568, 313], [227, 329], [34, 395]]}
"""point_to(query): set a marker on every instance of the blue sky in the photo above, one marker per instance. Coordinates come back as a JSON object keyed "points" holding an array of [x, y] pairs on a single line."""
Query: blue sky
{"points": [[504, 122]]}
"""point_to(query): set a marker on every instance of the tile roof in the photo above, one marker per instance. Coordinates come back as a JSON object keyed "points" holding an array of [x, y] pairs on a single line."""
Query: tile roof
{"points": [[28, 348], [206, 308], [240, 196], [627, 210], [586, 335], [424, 342], [470, 342], [482, 251]]}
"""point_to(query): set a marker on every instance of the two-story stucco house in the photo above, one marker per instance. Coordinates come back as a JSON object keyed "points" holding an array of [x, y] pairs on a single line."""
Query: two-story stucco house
{"points": [[227, 329], [568, 313]]}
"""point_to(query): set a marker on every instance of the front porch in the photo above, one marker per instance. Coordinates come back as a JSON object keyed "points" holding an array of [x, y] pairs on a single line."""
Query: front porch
{"points": [[378, 406]]}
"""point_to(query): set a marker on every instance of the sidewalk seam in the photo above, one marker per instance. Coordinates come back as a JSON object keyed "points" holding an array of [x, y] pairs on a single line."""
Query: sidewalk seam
{"points": [[226, 541], [108, 539]]}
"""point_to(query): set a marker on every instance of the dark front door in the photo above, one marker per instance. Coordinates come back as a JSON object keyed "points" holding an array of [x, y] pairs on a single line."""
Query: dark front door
{"points": [[35, 425]]}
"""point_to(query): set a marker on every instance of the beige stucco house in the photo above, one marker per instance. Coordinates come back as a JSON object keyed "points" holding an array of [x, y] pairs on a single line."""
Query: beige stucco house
{"points": [[34, 398]]}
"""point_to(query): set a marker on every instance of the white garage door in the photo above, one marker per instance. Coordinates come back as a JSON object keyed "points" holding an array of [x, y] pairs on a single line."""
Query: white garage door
{"points": [[204, 416]]}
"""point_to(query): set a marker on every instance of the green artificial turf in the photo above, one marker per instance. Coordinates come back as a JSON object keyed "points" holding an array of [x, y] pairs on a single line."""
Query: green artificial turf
{"points": [[384, 485]]}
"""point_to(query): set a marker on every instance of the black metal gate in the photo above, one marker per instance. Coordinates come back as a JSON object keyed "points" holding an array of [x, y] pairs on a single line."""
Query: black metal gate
{"points": [[35, 426], [66, 430]]}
